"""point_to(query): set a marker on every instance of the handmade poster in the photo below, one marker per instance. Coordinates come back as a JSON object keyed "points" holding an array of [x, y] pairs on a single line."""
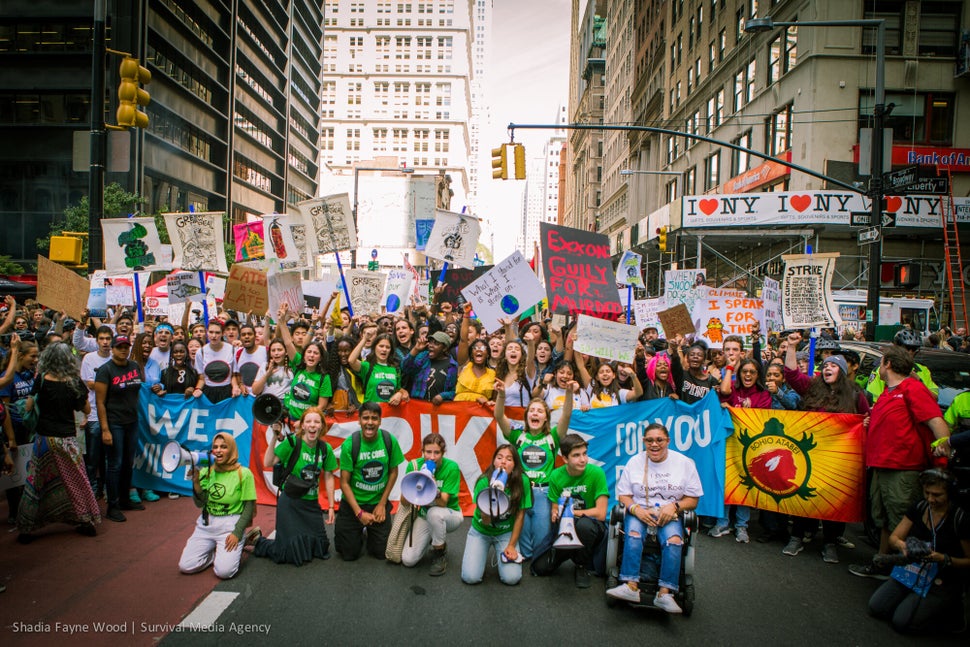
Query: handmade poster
{"points": [[215, 286], [415, 296], [396, 290], [131, 244], [18, 475], [454, 238], [771, 295], [605, 339], [504, 292], [676, 321], [628, 270], [61, 289], [806, 291], [366, 289], [249, 240], [284, 287], [98, 295], [799, 463], [681, 286], [197, 241], [330, 224], [579, 272], [645, 312], [246, 290], [422, 233], [282, 249], [119, 294], [718, 317], [183, 286], [456, 280]]}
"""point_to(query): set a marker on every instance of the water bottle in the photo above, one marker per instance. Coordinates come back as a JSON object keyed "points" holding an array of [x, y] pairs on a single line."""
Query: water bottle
{"points": [[652, 530]]}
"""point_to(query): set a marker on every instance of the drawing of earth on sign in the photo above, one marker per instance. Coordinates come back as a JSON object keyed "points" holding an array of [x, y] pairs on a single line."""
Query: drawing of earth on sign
{"points": [[393, 303], [510, 304]]}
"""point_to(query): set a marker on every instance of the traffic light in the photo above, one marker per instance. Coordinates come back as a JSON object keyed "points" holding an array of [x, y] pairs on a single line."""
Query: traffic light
{"points": [[131, 96], [906, 275], [519, 154], [662, 238], [500, 163]]}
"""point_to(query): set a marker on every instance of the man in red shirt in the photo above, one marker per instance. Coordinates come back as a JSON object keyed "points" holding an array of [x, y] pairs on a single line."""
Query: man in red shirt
{"points": [[902, 425]]}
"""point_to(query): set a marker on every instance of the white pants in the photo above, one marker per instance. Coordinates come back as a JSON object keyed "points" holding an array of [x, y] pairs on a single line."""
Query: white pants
{"points": [[429, 531], [207, 545]]}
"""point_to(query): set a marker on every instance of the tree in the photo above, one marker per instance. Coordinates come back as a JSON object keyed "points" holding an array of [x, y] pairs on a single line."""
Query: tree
{"points": [[8, 267]]}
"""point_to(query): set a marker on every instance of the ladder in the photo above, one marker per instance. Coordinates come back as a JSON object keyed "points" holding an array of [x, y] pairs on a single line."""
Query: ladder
{"points": [[954, 261]]}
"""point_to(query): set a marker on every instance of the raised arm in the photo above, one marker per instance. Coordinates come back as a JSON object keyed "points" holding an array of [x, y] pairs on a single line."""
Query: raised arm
{"points": [[500, 419], [584, 377], [284, 331], [366, 338], [567, 410]]}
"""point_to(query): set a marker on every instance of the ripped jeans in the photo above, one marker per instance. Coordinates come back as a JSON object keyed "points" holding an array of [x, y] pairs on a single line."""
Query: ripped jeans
{"points": [[669, 554]]}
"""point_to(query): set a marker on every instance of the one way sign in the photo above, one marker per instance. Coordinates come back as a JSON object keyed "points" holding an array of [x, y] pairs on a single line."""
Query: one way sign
{"points": [[864, 219]]}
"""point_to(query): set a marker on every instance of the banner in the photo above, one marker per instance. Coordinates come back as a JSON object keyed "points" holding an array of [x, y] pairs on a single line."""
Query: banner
{"points": [[806, 291], [248, 237], [397, 290], [246, 290], [771, 295], [505, 291], [197, 241], [61, 289], [699, 431], [578, 271], [802, 463], [284, 235], [606, 339], [422, 233], [628, 270], [717, 317], [184, 286], [645, 312], [131, 244], [453, 238], [330, 224], [366, 290]]}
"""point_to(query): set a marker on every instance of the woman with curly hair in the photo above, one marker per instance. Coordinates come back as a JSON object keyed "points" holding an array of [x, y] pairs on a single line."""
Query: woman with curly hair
{"points": [[512, 372], [57, 488], [379, 373]]}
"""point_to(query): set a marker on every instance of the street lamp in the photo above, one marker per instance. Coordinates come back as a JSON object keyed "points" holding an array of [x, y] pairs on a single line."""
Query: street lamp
{"points": [[876, 188], [357, 169]]}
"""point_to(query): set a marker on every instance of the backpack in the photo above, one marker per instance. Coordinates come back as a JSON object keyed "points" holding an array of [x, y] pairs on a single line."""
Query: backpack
{"points": [[355, 439]]}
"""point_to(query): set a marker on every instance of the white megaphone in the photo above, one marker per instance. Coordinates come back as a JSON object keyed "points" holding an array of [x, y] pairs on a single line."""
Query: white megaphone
{"points": [[175, 456], [419, 486], [493, 501], [567, 538]]}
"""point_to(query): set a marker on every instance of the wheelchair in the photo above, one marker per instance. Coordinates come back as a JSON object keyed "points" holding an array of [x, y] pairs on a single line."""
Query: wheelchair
{"points": [[650, 566]]}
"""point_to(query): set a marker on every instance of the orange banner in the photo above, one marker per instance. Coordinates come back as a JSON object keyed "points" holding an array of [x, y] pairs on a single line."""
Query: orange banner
{"points": [[801, 463]]}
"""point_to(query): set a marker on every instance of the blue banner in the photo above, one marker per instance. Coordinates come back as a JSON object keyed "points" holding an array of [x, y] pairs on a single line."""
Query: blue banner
{"points": [[422, 233], [192, 422], [698, 431]]}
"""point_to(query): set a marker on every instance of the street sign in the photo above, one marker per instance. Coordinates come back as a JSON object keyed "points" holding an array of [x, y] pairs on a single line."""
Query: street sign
{"points": [[888, 219], [901, 179], [868, 236], [929, 186], [860, 218]]}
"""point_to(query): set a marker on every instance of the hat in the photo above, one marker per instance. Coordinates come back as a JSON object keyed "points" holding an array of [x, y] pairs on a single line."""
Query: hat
{"points": [[802, 355], [839, 361], [120, 340], [230, 322], [442, 338]]}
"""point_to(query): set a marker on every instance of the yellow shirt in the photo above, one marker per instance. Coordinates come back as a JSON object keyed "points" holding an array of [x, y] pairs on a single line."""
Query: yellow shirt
{"points": [[470, 387]]}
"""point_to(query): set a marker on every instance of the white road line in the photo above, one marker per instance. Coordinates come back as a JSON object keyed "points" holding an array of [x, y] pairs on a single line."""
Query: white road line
{"points": [[209, 611]]}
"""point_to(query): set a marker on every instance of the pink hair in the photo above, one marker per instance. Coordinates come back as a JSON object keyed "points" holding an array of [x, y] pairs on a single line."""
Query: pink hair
{"points": [[652, 368]]}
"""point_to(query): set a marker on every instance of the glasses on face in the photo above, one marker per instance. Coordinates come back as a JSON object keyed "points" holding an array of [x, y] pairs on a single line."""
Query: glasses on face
{"points": [[749, 372], [654, 441]]}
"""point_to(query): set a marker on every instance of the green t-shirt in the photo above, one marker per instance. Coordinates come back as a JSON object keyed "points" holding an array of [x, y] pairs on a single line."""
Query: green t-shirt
{"points": [[382, 381], [368, 476], [326, 461], [227, 490], [504, 525], [305, 391], [538, 453], [448, 477], [585, 488]]}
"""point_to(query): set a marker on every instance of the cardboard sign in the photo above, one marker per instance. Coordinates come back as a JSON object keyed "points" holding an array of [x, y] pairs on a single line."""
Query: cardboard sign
{"points": [[676, 321], [718, 317], [579, 272], [771, 295], [453, 238], [366, 290], [60, 289], [806, 291], [284, 287], [607, 339], [183, 286], [645, 312], [246, 290], [396, 290], [628, 270], [504, 292], [197, 241]]}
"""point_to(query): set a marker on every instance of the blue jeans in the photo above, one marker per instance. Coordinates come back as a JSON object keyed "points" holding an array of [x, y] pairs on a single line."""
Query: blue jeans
{"points": [[536, 524], [669, 553], [120, 457], [476, 555], [94, 453], [742, 514]]}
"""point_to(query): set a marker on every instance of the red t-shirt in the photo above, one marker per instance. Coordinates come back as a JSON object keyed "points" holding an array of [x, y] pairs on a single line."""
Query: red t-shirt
{"points": [[897, 437]]}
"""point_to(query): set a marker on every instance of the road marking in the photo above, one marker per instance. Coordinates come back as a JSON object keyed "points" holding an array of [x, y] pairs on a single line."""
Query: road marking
{"points": [[206, 614]]}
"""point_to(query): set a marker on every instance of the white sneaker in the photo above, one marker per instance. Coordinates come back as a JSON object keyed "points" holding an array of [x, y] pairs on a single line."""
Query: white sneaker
{"points": [[624, 591], [667, 603]]}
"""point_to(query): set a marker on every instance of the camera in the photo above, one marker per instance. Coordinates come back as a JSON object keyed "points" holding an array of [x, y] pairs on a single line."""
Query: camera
{"points": [[916, 550]]}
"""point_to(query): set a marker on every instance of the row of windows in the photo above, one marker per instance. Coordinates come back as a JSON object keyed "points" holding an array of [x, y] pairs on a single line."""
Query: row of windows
{"points": [[299, 161], [444, 7], [252, 126], [250, 173], [45, 108], [189, 78], [63, 36], [193, 25], [180, 133]]}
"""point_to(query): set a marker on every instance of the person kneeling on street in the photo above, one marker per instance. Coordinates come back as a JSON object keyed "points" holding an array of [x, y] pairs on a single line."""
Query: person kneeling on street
{"points": [[584, 487]]}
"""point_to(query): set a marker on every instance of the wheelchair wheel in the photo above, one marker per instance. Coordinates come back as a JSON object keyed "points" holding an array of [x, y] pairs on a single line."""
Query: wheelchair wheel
{"points": [[688, 603], [612, 579]]}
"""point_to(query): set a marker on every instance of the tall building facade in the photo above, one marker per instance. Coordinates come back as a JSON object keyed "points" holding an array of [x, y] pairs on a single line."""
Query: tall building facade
{"points": [[543, 182], [234, 114]]}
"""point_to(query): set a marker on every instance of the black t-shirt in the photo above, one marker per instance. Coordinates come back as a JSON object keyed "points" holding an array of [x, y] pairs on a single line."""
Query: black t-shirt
{"points": [[954, 527], [178, 379], [693, 388], [438, 376], [124, 383], [58, 401]]}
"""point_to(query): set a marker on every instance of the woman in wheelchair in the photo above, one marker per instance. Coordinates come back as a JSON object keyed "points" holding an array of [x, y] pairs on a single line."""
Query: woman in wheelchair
{"points": [[655, 487]]}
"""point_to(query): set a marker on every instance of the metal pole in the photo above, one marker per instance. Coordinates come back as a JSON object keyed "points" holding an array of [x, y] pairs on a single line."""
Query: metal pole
{"points": [[353, 250], [876, 189], [98, 158]]}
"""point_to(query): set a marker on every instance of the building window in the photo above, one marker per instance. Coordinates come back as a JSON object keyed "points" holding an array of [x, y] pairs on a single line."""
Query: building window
{"points": [[781, 54], [740, 159], [939, 28], [744, 85], [925, 118], [779, 131], [712, 171], [690, 181], [721, 45]]}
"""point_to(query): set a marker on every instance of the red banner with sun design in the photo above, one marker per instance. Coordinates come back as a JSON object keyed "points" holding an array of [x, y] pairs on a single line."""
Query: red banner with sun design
{"points": [[801, 463]]}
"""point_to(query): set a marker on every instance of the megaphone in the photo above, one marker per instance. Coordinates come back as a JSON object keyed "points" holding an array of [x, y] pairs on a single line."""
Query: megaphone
{"points": [[267, 409], [419, 486], [493, 501], [175, 456], [567, 538]]}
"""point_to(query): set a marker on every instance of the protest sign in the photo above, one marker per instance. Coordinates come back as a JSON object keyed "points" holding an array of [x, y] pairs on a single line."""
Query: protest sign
{"points": [[718, 317], [248, 237], [422, 233], [366, 289], [17, 476], [131, 244], [183, 286], [806, 291], [504, 292], [456, 280], [330, 224], [416, 296], [607, 339], [197, 241], [681, 286], [771, 295], [246, 290], [58, 288], [119, 294], [284, 287], [453, 238], [282, 249], [645, 312], [215, 286], [396, 290], [676, 321], [628, 270], [578, 271]]}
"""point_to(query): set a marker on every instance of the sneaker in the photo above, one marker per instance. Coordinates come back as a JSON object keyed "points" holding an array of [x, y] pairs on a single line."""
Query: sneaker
{"points": [[667, 603], [719, 531], [131, 504], [793, 547], [830, 555], [252, 536], [115, 514], [439, 561], [741, 535], [133, 496], [150, 496], [624, 591], [842, 542], [173, 495], [870, 570], [87, 529], [581, 578]]}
